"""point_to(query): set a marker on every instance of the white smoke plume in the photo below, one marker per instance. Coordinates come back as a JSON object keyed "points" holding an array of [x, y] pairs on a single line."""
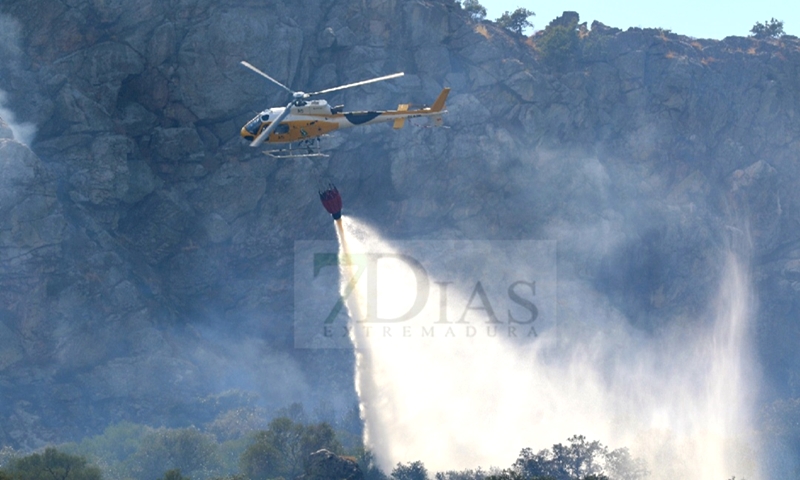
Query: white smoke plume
{"points": [[10, 53], [23, 132]]}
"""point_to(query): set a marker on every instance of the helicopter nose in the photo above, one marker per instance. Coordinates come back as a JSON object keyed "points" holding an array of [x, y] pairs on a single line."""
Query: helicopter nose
{"points": [[245, 134]]}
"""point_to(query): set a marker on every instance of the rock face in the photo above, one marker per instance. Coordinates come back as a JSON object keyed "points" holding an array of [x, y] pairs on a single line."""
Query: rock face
{"points": [[143, 244]]}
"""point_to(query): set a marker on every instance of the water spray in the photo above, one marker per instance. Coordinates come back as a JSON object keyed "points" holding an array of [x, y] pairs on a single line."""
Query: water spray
{"points": [[681, 401]]}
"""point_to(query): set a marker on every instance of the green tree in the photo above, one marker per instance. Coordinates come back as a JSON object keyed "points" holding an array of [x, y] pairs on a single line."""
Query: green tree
{"points": [[366, 462], [475, 9], [53, 465], [516, 21], [316, 437], [261, 460], [114, 445], [112, 448], [771, 29], [186, 449], [621, 465], [559, 42], [580, 459], [410, 471], [282, 449], [286, 437]]}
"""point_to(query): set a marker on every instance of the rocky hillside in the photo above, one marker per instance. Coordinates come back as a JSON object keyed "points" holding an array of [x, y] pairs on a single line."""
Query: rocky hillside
{"points": [[143, 244]]}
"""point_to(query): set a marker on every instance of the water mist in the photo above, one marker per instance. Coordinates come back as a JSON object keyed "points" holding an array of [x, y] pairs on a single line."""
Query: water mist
{"points": [[680, 400]]}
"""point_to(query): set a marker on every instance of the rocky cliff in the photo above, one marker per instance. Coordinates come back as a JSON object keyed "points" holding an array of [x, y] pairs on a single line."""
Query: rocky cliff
{"points": [[144, 244]]}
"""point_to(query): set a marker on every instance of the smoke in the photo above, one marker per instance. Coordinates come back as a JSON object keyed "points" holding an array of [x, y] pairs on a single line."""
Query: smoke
{"points": [[23, 132], [10, 53], [680, 400]]}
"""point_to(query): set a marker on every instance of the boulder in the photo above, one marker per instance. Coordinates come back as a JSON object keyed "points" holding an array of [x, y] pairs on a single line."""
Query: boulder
{"points": [[325, 465]]}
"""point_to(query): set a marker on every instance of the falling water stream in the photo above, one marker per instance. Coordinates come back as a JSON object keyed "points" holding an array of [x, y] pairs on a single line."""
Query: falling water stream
{"points": [[680, 400]]}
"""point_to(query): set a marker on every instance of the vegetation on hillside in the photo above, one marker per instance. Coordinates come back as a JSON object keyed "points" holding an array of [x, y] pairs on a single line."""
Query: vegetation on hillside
{"points": [[475, 9], [769, 29], [128, 451], [51, 464], [564, 40], [516, 21], [560, 41]]}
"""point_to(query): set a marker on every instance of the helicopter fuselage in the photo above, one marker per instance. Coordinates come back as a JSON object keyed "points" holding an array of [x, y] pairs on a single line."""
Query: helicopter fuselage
{"points": [[314, 118]]}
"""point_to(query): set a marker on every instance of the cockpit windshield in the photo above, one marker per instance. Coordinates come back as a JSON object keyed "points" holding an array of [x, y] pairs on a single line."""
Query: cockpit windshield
{"points": [[254, 124]]}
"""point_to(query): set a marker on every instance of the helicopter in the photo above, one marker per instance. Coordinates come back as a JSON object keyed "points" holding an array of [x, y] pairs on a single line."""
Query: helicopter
{"points": [[304, 121]]}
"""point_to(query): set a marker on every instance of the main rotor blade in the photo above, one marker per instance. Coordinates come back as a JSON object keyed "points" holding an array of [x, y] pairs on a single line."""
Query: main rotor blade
{"points": [[364, 82], [263, 136], [267, 77]]}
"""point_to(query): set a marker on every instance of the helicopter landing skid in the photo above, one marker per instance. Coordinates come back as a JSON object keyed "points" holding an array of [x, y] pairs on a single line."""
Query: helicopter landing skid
{"points": [[304, 149]]}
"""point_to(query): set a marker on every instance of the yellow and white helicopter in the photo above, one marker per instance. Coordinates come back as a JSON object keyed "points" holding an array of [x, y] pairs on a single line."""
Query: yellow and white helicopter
{"points": [[304, 121]]}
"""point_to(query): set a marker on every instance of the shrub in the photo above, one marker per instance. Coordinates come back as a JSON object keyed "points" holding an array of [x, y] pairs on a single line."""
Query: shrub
{"points": [[558, 44], [53, 465], [475, 9], [516, 21], [771, 29]]}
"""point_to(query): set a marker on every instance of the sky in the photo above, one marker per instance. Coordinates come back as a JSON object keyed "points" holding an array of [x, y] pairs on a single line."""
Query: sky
{"points": [[714, 19]]}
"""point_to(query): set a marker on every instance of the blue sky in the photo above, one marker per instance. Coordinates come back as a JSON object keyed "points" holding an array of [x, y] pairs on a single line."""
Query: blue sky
{"points": [[715, 19]]}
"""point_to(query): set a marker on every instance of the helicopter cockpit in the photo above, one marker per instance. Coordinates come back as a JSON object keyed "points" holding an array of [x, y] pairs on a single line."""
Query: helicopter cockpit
{"points": [[255, 124]]}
